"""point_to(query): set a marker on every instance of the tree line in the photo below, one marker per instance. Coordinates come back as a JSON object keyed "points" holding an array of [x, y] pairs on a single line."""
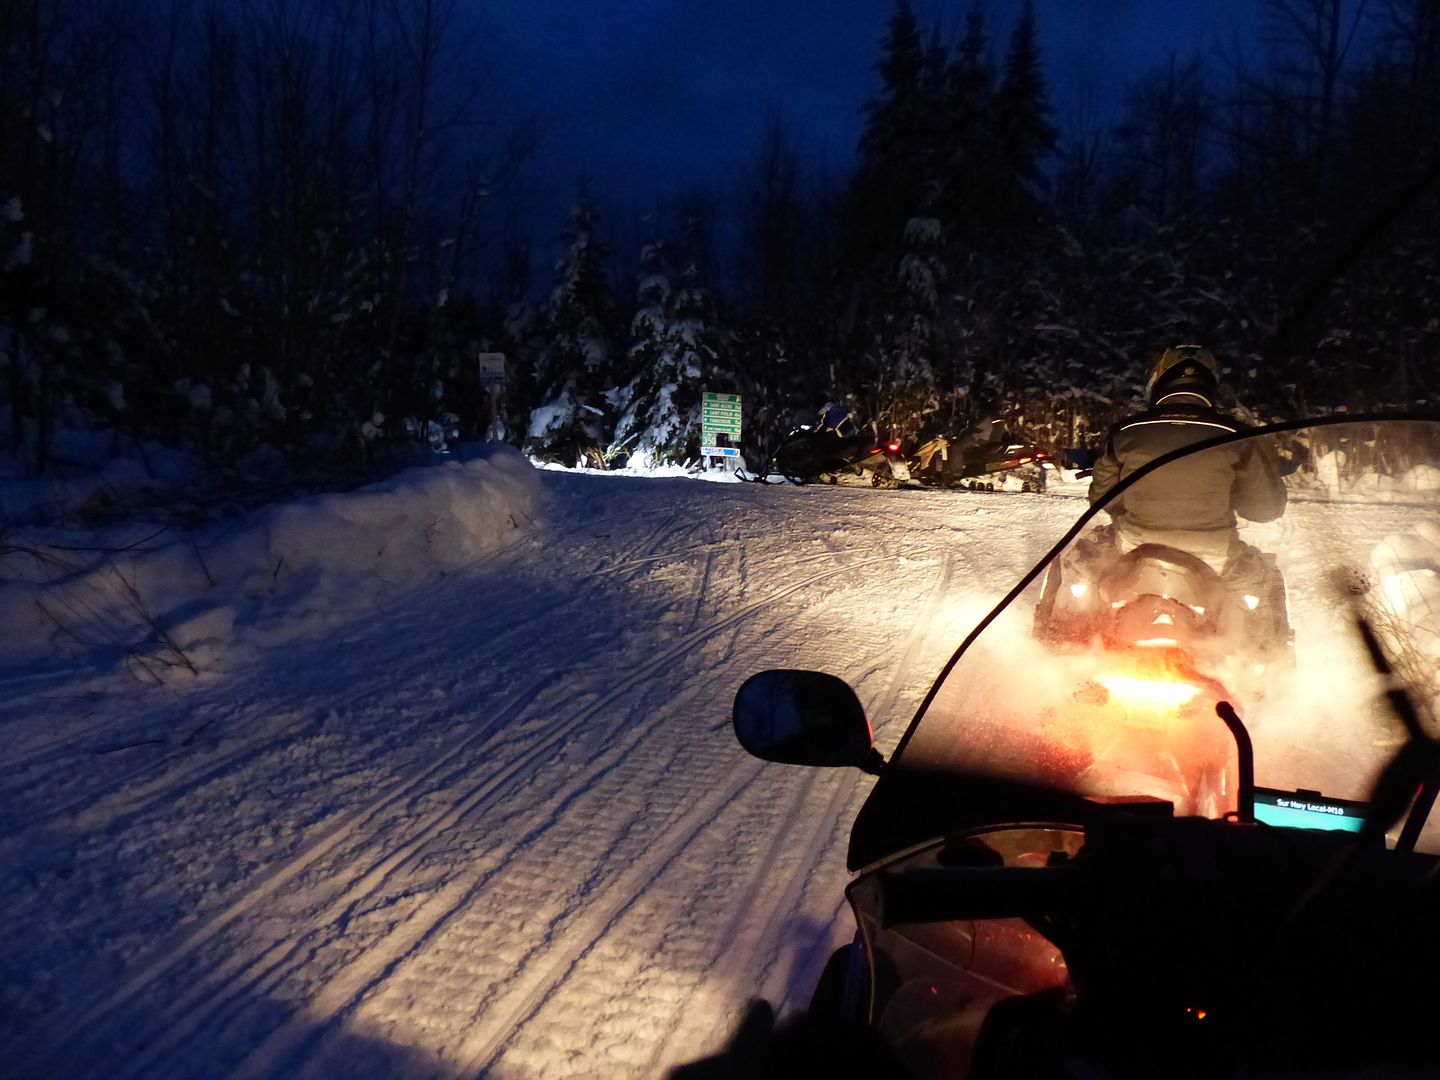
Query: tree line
{"points": [[275, 230]]}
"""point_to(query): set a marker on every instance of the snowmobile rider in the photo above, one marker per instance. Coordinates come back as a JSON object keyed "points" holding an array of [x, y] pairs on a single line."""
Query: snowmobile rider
{"points": [[837, 417], [1192, 504], [979, 433]]}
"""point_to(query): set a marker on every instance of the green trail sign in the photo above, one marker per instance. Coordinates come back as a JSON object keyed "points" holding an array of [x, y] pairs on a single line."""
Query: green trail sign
{"points": [[719, 415]]}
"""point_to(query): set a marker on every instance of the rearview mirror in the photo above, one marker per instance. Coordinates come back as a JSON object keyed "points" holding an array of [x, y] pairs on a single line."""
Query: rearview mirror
{"points": [[804, 718]]}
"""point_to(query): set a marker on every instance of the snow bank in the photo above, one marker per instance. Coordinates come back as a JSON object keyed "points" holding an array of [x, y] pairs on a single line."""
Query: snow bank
{"points": [[717, 475], [161, 602], [1406, 609], [1335, 476]]}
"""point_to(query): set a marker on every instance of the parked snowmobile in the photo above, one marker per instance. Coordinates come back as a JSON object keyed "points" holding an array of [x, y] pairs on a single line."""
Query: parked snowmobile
{"points": [[1027, 901], [811, 453], [996, 461]]}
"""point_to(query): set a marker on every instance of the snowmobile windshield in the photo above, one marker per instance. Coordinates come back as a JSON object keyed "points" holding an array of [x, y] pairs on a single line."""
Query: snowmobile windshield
{"points": [[1100, 677]]}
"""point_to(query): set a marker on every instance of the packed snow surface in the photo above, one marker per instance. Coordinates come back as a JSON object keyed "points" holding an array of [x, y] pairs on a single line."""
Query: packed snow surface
{"points": [[436, 779], [452, 790]]}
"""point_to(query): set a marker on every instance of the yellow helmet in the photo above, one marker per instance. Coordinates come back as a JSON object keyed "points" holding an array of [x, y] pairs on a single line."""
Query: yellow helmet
{"points": [[1184, 369]]}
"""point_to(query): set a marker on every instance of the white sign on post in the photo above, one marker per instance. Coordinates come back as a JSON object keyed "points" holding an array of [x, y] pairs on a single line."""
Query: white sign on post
{"points": [[492, 370]]}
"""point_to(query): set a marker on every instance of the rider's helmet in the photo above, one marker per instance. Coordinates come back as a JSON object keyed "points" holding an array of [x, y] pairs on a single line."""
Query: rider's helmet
{"points": [[1184, 369]]}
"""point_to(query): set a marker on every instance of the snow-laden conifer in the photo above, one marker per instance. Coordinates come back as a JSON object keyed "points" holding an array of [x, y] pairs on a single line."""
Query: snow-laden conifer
{"points": [[575, 369], [674, 351], [905, 341]]}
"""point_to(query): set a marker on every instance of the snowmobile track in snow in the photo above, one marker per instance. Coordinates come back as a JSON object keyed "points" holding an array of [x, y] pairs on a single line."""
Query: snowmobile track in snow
{"points": [[167, 783], [168, 956], [556, 964], [740, 956], [175, 947], [551, 926], [345, 994]]}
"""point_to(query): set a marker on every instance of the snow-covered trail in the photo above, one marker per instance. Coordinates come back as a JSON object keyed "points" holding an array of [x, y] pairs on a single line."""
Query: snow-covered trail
{"points": [[499, 827]]}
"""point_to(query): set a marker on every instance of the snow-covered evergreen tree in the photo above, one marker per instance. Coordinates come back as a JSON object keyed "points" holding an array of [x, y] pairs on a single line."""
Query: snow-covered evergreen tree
{"points": [[1022, 108], [576, 368], [895, 147], [649, 329], [966, 133], [674, 351], [905, 343]]}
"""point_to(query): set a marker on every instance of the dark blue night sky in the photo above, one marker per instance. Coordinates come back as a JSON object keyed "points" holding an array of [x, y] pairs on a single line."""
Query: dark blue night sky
{"points": [[644, 96]]}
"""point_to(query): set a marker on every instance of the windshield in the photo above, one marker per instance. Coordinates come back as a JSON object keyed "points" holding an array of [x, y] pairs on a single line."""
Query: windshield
{"points": [[1102, 676]]}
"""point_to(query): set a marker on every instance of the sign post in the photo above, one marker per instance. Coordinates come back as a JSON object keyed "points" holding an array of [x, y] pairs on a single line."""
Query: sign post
{"points": [[720, 428], [492, 381]]}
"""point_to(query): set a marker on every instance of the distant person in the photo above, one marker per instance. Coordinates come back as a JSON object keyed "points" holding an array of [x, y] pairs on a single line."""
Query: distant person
{"points": [[837, 417], [980, 433]]}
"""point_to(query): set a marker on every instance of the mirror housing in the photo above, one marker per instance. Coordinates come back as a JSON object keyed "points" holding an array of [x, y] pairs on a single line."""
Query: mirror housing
{"points": [[804, 718]]}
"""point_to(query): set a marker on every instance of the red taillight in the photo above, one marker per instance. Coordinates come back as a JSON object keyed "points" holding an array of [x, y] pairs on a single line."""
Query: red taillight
{"points": [[1156, 693], [1041, 456], [894, 447], [1155, 677]]}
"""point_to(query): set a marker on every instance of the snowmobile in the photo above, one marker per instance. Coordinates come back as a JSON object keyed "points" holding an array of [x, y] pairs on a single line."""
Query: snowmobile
{"points": [[814, 453], [1028, 902], [999, 461], [1161, 596]]}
